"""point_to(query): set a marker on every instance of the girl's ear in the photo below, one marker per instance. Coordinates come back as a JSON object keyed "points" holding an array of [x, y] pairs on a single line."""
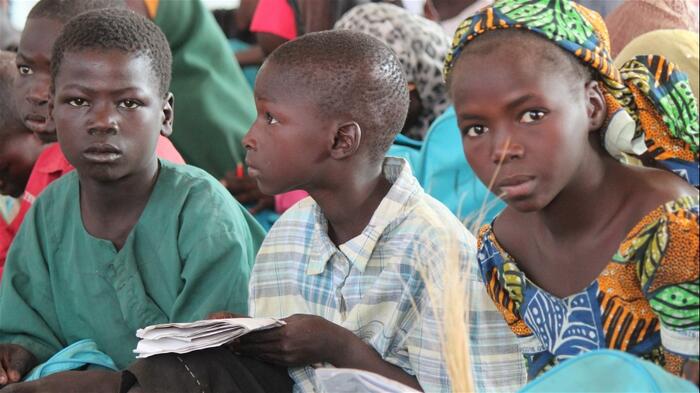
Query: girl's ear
{"points": [[597, 109], [346, 140], [166, 128]]}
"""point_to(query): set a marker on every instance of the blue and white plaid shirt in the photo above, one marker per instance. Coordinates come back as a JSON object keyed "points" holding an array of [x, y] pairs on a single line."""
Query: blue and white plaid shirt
{"points": [[372, 285]]}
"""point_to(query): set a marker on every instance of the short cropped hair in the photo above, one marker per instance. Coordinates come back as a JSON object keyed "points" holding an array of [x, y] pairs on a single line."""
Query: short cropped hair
{"points": [[65, 10], [10, 120], [350, 73], [116, 29]]}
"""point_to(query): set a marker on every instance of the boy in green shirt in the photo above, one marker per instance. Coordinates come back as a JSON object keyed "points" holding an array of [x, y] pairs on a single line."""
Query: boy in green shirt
{"points": [[126, 240]]}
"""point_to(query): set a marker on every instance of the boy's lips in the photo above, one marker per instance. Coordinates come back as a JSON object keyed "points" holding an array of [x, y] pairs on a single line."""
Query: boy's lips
{"points": [[36, 123], [515, 187], [252, 170], [102, 153]]}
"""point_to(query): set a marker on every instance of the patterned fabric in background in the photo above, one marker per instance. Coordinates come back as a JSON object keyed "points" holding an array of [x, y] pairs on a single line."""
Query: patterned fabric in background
{"points": [[652, 278], [421, 46], [649, 90], [680, 47]]}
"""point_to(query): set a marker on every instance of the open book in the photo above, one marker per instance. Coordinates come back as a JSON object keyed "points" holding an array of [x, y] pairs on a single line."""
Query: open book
{"points": [[348, 380], [193, 336]]}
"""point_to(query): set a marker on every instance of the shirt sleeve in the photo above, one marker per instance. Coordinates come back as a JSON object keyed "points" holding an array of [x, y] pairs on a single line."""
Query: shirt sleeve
{"points": [[488, 260], [27, 311], [219, 257], [666, 252]]}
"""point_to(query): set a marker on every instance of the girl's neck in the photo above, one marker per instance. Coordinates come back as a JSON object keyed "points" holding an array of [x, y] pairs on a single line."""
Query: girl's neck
{"points": [[589, 201]]}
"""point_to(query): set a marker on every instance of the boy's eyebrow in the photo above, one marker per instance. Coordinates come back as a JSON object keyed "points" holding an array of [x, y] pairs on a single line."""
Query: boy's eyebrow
{"points": [[21, 58], [88, 89], [263, 98]]}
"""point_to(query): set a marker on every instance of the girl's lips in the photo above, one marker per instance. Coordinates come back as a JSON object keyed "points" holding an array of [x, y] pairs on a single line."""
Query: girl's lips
{"points": [[516, 187]]}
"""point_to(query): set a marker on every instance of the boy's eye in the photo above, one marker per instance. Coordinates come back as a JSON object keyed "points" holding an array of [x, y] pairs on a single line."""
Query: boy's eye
{"points": [[532, 116], [475, 130], [25, 70], [129, 104], [77, 102], [270, 120]]}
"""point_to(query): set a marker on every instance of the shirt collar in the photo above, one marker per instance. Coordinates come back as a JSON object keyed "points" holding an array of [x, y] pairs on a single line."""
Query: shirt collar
{"points": [[52, 160], [394, 207]]}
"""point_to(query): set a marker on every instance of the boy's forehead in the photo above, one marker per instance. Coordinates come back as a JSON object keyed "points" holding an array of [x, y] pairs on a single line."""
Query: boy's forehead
{"points": [[38, 38], [112, 64]]}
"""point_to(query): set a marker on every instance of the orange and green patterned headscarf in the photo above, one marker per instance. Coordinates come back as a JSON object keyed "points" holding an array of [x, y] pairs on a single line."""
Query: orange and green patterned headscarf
{"points": [[651, 109]]}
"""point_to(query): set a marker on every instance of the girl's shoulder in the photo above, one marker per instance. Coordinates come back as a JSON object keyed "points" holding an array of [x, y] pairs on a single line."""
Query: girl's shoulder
{"points": [[652, 187]]}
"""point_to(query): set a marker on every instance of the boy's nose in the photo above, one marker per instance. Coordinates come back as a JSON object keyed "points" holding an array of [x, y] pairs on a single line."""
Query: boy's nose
{"points": [[36, 89], [103, 121], [38, 95], [248, 141]]}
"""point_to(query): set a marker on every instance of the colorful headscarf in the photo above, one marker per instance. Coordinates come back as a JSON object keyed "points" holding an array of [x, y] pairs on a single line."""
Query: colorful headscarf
{"points": [[651, 108], [680, 47], [421, 46]]}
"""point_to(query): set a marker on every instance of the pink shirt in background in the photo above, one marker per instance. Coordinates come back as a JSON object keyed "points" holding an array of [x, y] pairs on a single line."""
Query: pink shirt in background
{"points": [[274, 17], [286, 200]]}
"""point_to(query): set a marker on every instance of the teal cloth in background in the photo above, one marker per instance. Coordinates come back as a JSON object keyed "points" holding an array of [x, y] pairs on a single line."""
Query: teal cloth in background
{"points": [[77, 355], [446, 175], [608, 371], [250, 72]]}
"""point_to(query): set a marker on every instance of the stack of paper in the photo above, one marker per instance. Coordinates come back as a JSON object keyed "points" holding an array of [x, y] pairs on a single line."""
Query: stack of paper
{"points": [[348, 380], [193, 336]]}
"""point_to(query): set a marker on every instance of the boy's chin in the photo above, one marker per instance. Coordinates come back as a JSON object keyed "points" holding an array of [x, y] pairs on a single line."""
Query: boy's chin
{"points": [[100, 173], [46, 137]]}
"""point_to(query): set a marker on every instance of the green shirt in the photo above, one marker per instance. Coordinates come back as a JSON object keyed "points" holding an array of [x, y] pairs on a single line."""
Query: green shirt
{"points": [[214, 104], [190, 253]]}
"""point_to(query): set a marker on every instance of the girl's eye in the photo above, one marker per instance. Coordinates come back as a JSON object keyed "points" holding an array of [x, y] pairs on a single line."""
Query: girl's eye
{"points": [[25, 70], [475, 130], [129, 104], [270, 120], [77, 102], [532, 116]]}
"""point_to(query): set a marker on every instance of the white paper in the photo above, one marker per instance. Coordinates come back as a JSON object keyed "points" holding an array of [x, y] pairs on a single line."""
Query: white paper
{"points": [[348, 380], [193, 336]]}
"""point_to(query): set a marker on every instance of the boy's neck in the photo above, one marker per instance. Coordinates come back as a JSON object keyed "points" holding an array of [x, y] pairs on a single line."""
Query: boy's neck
{"points": [[350, 202], [110, 210]]}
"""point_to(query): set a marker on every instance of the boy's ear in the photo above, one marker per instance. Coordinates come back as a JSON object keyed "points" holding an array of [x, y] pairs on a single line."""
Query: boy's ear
{"points": [[346, 140], [166, 128], [597, 110]]}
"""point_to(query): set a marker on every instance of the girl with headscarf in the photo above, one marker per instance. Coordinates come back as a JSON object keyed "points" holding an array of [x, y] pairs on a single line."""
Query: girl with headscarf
{"points": [[590, 253], [421, 46]]}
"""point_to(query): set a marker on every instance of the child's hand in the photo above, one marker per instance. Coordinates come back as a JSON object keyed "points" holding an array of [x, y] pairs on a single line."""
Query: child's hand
{"points": [[691, 371], [225, 315], [71, 381], [304, 340], [245, 189], [15, 361]]}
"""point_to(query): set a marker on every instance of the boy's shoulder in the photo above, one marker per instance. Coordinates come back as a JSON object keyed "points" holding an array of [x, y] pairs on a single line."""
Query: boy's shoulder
{"points": [[189, 177], [191, 189], [420, 220]]}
